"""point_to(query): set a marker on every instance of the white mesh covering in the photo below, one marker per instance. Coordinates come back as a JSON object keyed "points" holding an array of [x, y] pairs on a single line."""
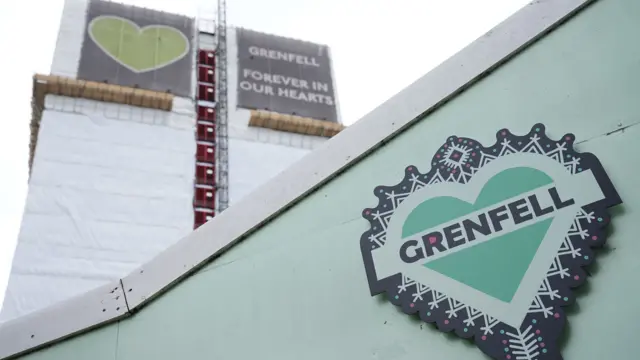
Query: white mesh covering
{"points": [[110, 188]]}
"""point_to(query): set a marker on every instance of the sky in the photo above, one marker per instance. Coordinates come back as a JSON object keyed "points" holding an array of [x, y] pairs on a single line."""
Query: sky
{"points": [[378, 47]]}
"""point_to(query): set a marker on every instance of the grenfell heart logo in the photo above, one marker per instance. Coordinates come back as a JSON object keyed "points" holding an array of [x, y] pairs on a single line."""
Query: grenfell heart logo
{"points": [[490, 242], [139, 49]]}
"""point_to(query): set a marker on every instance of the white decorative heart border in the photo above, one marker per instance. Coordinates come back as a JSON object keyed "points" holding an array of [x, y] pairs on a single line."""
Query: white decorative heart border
{"points": [[140, 30], [536, 338], [513, 313]]}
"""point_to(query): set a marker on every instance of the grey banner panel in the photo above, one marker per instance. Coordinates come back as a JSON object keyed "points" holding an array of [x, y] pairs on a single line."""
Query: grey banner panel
{"points": [[137, 47], [285, 75]]}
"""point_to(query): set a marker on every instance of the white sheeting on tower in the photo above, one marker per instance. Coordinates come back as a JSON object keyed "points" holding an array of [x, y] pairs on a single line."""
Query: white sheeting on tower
{"points": [[251, 164], [111, 186]]}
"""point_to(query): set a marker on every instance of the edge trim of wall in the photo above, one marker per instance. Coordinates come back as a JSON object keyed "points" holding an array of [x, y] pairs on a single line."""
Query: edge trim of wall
{"points": [[320, 166], [63, 320], [44, 85], [294, 124]]}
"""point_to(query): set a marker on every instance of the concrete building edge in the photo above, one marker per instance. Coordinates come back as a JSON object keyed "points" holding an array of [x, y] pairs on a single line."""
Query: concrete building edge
{"points": [[85, 312], [340, 120]]}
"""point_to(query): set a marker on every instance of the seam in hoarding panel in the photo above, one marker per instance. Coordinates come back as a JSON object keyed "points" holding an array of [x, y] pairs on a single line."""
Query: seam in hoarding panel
{"points": [[101, 306]]}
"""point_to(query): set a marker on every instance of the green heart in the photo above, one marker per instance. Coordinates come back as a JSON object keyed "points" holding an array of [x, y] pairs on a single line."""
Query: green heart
{"points": [[138, 49], [495, 267]]}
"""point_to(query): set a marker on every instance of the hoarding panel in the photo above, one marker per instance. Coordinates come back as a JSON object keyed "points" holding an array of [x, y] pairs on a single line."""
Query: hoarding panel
{"points": [[137, 47], [285, 75]]}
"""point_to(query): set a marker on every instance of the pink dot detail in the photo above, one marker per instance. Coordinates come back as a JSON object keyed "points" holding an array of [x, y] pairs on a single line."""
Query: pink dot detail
{"points": [[556, 315], [576, 277], [504, 133], [473, 154], [504, 342], [410, 168], [468, 165], [459, 140], [541, 344], [453, 171], [412, 305], [446, 322], [445, 145], [568, 138], [367, 212], [470, 142], [438, 156], [537, 332], [484, 337], [508, 356], [594, 238], [432, 239], [456, 156]]}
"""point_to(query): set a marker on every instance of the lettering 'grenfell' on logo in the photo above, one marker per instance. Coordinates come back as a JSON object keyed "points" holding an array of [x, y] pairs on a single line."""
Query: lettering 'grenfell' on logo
{"points": [[523, 210], [479, 244]]}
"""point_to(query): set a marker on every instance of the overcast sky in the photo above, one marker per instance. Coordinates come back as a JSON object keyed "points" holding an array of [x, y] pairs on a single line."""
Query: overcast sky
{"points": [[378, 47]]}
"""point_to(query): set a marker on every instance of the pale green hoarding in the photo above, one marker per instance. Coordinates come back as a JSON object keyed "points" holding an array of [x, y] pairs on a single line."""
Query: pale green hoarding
{"points": [[297, 289]]}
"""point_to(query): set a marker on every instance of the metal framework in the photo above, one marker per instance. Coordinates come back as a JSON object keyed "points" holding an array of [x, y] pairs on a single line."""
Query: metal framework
{"points": [[222, 136], [211, 193]]}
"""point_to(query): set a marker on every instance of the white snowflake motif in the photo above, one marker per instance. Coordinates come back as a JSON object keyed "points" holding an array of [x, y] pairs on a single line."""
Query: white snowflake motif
{"points": [[456, 156]]}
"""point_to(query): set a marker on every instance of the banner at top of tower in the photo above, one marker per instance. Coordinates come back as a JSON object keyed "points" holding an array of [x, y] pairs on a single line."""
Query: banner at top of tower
{"points": [[284, 75], [137, 47]]}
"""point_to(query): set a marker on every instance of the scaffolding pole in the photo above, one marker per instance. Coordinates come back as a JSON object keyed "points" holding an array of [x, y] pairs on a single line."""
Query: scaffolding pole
{"points": [[222, 136]]}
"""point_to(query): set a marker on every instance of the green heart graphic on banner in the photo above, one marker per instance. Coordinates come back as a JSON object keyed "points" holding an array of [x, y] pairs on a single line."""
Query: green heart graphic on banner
{"points": [[138, 49], [495, 267]]}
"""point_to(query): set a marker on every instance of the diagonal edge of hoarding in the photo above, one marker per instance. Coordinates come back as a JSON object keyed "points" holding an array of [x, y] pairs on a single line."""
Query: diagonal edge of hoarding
{"points": [[85, 312]]}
